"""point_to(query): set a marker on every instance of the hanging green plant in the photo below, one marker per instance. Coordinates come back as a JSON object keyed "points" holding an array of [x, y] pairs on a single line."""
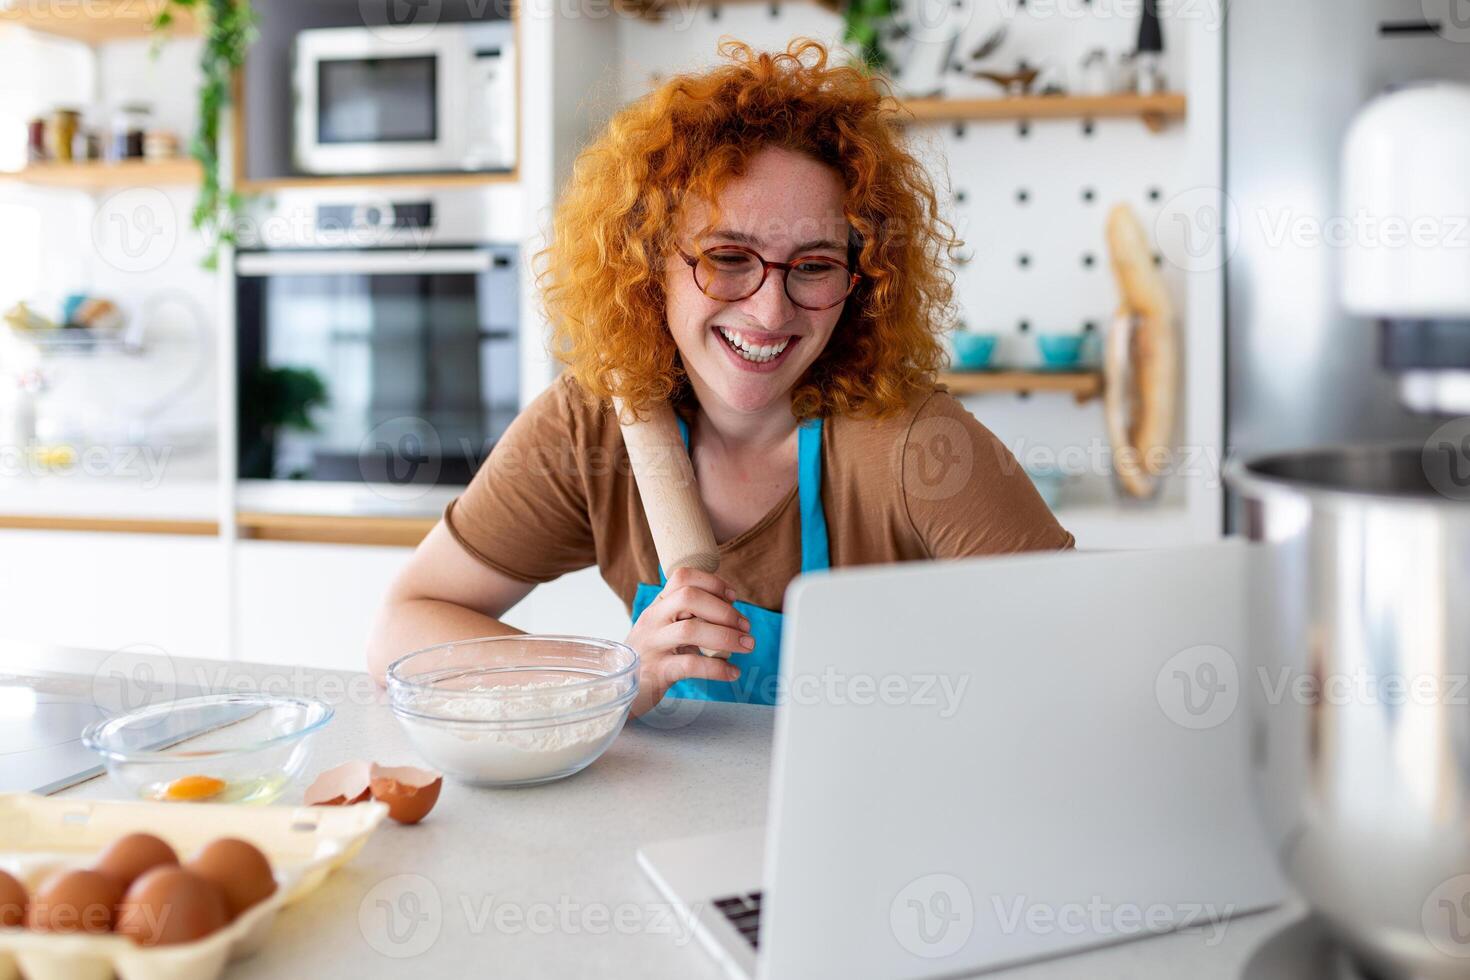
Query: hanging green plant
{"points": [[861, 20], [229, 30]]}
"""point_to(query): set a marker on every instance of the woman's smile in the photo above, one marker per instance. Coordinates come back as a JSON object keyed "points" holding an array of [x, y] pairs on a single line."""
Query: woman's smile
{"points": [[756, 351]]}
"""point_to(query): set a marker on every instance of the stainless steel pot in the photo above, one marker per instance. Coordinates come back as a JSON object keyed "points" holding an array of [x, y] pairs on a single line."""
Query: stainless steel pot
{"points": [[1358, 686]]}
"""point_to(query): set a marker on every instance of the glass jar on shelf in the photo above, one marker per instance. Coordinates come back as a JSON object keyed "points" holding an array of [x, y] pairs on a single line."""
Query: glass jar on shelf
{"points": [[129, 126], [36, 151], [64, 124], [86, 142]]}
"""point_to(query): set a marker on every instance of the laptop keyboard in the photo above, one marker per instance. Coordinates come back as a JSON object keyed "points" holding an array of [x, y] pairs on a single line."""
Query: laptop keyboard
{"points": [[744, 913]]}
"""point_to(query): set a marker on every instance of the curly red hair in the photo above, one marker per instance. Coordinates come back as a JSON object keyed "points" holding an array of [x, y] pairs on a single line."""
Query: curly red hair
{"points": [[602, 277]]}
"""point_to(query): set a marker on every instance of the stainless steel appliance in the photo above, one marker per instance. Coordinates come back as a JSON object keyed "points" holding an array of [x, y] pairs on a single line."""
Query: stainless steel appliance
{"points": [[1302, 371], [1360, 657], [377, 338], [1349, 322], [401, 99]]}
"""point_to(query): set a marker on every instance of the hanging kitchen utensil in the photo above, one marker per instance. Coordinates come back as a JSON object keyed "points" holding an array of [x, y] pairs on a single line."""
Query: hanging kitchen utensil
{"points": [[1141, 361], [1016, 82], [989, 43]]}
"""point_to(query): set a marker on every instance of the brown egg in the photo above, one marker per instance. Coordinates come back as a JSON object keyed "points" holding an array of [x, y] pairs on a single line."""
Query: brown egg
{"points": [[238, 869], [74, 901], [171, 905], [12, 901], [128, 857]]}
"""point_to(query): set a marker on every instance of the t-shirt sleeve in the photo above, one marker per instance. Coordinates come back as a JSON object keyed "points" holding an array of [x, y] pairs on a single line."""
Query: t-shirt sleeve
{"points": [[525, 512], [965, 493]]}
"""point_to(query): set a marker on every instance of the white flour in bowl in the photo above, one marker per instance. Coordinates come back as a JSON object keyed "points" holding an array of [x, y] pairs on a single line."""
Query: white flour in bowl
{"points": [[493, 754]]}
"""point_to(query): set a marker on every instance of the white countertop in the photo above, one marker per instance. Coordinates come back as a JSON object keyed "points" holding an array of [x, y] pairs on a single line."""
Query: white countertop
{"points": [[542, 881]]}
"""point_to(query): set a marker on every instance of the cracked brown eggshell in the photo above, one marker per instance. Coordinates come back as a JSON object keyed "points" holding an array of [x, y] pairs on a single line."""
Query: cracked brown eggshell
{"points": [[341, 785], [409, 792]]}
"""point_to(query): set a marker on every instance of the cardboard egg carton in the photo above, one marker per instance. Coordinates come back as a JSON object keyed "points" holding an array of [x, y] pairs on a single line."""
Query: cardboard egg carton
{"points": [[39, 835]]}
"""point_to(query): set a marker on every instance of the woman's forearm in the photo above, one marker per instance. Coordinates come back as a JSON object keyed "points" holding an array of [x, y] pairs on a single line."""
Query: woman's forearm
{"points": [[406, 625]]}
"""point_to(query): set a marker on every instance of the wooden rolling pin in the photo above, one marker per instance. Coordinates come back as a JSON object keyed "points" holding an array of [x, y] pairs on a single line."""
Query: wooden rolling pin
{"points": [[682, 535]]}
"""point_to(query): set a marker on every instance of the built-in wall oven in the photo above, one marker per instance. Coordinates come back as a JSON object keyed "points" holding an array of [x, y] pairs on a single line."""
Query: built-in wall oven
{"points": [[377, 341]]}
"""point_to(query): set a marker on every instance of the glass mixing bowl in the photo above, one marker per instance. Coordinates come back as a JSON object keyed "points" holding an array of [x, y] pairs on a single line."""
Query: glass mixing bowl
{"points": [[514, 710], [219, 748]]}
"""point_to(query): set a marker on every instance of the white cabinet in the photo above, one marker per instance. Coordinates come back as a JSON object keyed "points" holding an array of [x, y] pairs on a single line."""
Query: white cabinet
{"points": [[109, 591], [314, 604], [309, 604]]}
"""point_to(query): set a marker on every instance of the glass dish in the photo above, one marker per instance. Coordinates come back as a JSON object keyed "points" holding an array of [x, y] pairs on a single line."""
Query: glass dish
{"points": [[514, 710], [219, 748]]}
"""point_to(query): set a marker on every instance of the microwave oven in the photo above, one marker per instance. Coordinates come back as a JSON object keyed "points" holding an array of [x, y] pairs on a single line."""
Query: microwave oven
{"points": [[393, 99]]}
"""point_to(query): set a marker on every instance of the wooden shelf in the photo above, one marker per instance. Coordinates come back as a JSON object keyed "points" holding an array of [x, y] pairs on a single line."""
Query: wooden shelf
{"points": [[95, 21], [1082, 385], [325, 529], [654, 9], [405, 532], [268, 184], [115, 525], [1154, 110], [100, 174]]}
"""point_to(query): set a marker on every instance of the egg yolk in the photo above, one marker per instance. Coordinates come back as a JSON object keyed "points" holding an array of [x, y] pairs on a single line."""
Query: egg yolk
{"points": [[193, 788]]}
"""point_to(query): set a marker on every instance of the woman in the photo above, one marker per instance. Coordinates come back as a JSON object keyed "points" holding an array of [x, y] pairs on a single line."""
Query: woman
{"points": [[756, 244]]}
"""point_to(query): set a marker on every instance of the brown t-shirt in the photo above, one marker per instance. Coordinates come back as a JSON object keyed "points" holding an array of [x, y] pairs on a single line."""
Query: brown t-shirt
{"points": [[557, 494]]}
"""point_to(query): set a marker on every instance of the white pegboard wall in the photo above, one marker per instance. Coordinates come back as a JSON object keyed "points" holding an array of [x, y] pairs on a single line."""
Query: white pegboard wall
{"points": [[1030, 201], [688, 36]]}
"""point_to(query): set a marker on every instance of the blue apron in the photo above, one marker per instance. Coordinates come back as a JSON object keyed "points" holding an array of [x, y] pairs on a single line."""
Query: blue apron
{"points": [[760, 668]]}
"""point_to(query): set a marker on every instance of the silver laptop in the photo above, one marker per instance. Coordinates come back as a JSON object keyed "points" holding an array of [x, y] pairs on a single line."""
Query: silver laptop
{"points": [[982, 763]]}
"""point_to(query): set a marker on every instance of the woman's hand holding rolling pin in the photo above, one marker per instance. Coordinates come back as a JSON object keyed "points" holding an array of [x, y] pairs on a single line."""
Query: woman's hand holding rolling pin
{"points": [[694, 610]]}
